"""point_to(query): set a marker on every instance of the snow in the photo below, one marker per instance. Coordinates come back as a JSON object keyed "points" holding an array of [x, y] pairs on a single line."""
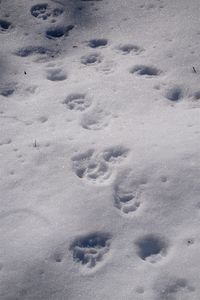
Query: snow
{"points": [[99, 146]]}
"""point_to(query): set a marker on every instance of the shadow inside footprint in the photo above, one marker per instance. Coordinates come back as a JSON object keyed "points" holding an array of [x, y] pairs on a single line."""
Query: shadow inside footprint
{"points": [[35, 50], [90, 59], [174, 94], [56, 75], [95, 43], [150, 246], [143, 70], [96, 119], [7, 90], [58, 31], [4, 26], [128, 48], [77, 102], [115, 154], [57, 12], [196, 95]]}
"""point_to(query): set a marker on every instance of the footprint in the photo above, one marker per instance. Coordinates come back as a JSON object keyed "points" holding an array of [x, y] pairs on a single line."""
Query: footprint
{"points": [[4, 26], [40, 51], [139, 290], [77, 102], [194, 99], [148, 71], [39, 11], [174, 93], [196, 95], [127, 193], [96, 119], [173, 288], [58, 31], [44, 11], [92, 58], [7, 90], [95, 166], [95, 43], [115, 154], [90, 249], [90, 166], [128, 48], [57, 12], [106, 67], [42, 119], [56, 75], [151, 248]]}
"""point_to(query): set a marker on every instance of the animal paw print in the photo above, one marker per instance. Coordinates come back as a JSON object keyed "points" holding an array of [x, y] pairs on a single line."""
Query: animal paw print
{"points": [[90, 249], [97, 167], [174, 93], [151, 248], [172, 288], [5, 26], [91, 58], [146, 71], [77, 101], [129, 48], [58, 31], [95, 119], [56, 74], [127, 193], [90, 166], [115, 154], [41, 53], [96, 43], [43, 11]]}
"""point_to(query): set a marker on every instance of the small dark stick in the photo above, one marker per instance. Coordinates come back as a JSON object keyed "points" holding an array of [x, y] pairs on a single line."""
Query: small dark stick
{"points": [[194, 70], [25, 73]]}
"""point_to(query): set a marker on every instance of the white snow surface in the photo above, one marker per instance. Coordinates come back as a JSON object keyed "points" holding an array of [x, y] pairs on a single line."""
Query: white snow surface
{"points": [[100, 149]]}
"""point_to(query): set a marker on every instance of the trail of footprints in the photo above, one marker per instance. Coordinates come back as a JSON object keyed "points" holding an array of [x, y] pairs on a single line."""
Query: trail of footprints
{"points": [[90, 250], [53, 13], [97, 167]]}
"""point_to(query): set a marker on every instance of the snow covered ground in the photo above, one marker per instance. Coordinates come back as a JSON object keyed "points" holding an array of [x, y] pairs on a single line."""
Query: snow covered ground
{"points": [[100, 149]]}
